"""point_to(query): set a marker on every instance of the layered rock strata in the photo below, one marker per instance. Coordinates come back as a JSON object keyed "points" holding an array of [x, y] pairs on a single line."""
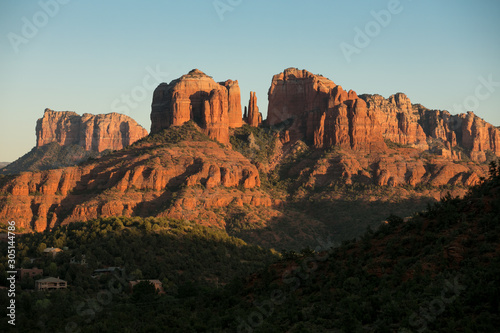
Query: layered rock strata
{"points": [[215, 107], [92, 132], [322, 112], [439, 131], [315, 109], [144, 181]]}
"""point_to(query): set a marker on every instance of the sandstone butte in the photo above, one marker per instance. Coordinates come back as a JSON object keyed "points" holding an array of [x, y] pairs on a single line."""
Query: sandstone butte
{"points": [[324, 114], [92, 132], [191, 179], [215, 107]]}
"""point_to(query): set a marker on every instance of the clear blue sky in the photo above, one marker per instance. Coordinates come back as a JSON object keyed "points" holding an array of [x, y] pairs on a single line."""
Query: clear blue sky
{"points": [[86, 54]]}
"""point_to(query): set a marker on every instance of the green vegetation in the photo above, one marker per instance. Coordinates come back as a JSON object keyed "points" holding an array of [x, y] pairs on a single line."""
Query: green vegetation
{"points": [[255, 143], [437, 272], [178, 250], [189, 131], [187, 258], [394, 145]]}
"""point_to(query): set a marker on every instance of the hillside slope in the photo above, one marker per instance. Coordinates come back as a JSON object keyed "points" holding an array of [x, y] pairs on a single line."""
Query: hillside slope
{"points": [[438, 272], [179, 172], [187, 258], [49, 156]]}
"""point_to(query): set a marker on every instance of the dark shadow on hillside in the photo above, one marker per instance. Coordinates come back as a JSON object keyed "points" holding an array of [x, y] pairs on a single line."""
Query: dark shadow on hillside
{"points": [[309, 223], [92, 185]]}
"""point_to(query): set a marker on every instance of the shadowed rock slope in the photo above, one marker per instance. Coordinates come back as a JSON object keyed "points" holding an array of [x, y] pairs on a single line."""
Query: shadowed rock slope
{"points": [[438, 271]]}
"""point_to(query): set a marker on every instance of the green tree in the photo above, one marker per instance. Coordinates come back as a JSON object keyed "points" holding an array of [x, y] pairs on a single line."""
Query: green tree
{"points": [[40, 248], [143, 291], [137, 274], [52, 269]]}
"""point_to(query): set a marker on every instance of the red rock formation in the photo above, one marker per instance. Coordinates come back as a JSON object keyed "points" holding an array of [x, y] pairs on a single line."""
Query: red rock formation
{"points": [[186, 99], [294, 92], [436, 130], [234, 104], [478, 136], [93, 132], [440, 125], [400, 124], [387, 169], [467, 131], [215, 122], [130, 182], [252, 115], [62, 127], [322, 112]]}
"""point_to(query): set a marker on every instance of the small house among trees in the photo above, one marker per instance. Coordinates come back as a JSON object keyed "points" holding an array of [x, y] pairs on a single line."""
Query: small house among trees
{"points": [[107, 271], [50, 283], [29, 272], [54, 251]]}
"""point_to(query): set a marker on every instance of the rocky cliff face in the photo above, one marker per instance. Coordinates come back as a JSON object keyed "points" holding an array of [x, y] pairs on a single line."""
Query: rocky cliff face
{"points": [[439, 131], [472, 133], [92, 132], [252, 116], [294, 92], [322, 112], [215, 107], [400, 122], [394, 167], [183, 180]]}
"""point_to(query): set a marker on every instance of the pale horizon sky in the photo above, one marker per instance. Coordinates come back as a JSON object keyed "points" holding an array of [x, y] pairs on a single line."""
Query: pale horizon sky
{"points": [[85, 56]]}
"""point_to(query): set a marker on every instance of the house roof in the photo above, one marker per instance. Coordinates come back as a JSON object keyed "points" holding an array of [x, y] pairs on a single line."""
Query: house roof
{"points": [[108, 269], [50, 279], [154, 281], [52, 249], [34, 269]]}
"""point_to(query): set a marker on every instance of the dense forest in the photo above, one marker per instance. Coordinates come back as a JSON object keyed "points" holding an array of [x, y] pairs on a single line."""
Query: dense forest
{"points": [[187, 258]]}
